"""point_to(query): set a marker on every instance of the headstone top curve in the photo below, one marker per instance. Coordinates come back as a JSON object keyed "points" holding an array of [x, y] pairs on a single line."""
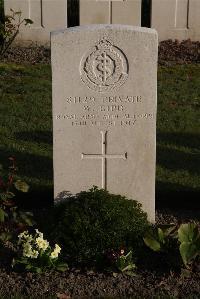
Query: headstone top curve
{"points": [[117, 27]]}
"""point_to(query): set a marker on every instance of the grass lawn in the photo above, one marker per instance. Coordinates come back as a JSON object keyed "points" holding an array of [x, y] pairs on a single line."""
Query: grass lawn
{"points": [[178, 133], [26, 127]]}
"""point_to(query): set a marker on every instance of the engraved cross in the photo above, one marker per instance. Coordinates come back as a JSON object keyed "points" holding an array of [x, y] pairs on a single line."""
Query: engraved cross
{"points": [[104, 156]]}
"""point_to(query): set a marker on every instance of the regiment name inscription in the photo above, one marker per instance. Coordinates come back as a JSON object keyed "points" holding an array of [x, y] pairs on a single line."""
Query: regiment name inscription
{"points": [[103, 111]]}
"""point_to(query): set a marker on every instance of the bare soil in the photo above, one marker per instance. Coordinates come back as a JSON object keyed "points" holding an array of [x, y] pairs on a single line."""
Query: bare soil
{"points": [[155, 281], [170, 52], [75, 284]]}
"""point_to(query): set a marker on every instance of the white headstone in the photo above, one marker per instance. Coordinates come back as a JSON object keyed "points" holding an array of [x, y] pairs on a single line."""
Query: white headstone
{"points": [[104, 110], [126, 12], [176, 19]]}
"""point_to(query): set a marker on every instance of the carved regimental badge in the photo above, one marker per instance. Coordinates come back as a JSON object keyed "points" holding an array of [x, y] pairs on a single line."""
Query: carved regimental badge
{"points": [[104, 68]]}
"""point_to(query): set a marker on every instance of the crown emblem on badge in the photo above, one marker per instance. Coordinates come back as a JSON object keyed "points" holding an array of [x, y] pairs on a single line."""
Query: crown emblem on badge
{"points": [[104, 44], [105, 67]]}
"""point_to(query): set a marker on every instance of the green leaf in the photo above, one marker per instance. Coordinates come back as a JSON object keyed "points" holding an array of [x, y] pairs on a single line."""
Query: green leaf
{"points": [[23, 261], [26, 218], [152, 243], [188, 252], [129, 256], [125, 263], [188, 232], [38, 270], [3, 214], [130, 273], [169, 229], [5, 236], [21, 186], [161, 235], [28, 266], [129, 267], [62, 267]]}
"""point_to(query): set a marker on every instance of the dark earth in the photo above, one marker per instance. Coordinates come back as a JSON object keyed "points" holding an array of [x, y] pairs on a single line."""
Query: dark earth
{"points": [[170, 52], [152, 280], [74, 284], [156, 282]]}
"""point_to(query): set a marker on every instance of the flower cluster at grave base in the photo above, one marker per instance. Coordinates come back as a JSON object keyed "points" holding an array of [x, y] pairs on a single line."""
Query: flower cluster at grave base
{"points": [[36, 254], [34, 245]]}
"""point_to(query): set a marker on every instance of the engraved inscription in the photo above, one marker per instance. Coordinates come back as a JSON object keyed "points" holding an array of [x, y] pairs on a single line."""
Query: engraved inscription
{"points": [[104, 156], [104, 111], [104, 99], [104, 68]]}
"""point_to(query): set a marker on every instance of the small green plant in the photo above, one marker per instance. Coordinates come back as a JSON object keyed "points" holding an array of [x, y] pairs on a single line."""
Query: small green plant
{"points": [[118, 261], [9, 213], [189, 238], [125, 264], [94, 221], [8, 185], [36, 255], [9, 29], [158, 238], [163, 242]]}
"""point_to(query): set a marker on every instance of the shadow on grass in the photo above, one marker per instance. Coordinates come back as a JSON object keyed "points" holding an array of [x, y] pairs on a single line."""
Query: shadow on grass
{"points": [[176, 196], [36, 136], [36, 198], [173, 195], [189, 140], [173, 159], [32, 166]]}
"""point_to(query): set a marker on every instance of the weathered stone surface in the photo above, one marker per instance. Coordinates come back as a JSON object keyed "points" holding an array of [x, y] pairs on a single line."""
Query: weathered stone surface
{"points": [[176, 19], [126, 12], [104, 110]]}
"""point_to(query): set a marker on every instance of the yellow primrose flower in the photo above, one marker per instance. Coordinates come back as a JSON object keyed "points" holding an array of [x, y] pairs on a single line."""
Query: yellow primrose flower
{"points": [[41, 243], [20, 236], [56, 251], [34, 254], [27, 250], [57, 248], [24, 235], [39, 233], [27, 246], [54, 254]]}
